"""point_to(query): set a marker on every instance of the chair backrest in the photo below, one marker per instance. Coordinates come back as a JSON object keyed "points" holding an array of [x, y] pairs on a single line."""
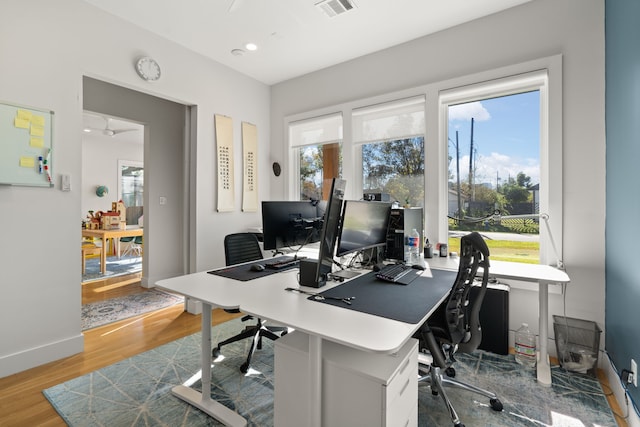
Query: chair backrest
{"points": [[463, 318], [241, 247]]}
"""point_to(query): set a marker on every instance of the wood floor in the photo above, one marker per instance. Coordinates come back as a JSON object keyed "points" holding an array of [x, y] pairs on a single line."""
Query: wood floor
{"points": [[22, 402]]}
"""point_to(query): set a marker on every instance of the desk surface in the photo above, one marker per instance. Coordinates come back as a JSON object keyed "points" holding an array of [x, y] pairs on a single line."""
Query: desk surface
{"points": [[266, 298], [509, 270]]}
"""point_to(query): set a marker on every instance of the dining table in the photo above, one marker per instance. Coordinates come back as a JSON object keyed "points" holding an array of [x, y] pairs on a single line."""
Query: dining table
{"points": [[115, 234]]}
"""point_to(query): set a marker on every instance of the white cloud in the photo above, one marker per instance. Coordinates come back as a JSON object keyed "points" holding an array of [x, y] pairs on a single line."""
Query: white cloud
{"points": [[505, 167], [469, 110]]}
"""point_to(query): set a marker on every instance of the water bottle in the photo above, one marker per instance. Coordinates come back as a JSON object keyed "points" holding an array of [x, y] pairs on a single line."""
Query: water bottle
{"points": [[525, 346], [413, 242]]}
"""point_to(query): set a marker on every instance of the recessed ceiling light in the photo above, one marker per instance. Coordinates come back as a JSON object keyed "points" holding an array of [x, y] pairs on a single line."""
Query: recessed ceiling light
{"points": [[237, 52], [251, 46]]}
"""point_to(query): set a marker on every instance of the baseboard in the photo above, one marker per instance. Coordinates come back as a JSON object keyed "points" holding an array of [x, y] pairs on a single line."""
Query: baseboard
{"points": [[27, 359], [633, 419]]}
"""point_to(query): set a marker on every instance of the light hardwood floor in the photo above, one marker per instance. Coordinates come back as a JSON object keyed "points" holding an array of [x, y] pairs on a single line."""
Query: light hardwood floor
{"points": [[22, 402]]}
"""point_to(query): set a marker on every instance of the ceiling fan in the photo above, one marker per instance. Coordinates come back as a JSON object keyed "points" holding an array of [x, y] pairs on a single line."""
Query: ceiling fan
{"points": [[107, 130], [234, 5]]}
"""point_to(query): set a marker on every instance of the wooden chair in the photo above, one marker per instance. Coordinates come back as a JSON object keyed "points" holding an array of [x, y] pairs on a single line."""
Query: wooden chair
{"points": [[89, 248]]}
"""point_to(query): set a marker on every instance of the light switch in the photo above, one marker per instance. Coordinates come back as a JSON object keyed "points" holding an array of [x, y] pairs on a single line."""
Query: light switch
{"points": [[163, 200], [65, 182]]}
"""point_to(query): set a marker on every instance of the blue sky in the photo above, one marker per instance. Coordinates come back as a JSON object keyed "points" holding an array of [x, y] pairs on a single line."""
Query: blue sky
{"points": [[506, 137]]}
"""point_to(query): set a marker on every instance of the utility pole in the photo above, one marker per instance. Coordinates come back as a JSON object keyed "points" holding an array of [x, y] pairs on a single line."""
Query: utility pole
{"points": [[458, 176], [473, 192]]}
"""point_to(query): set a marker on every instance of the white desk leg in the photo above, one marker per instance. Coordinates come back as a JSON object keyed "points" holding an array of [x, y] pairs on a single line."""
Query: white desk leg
{"points": [[203, 400], [315, 381], [543, 366]]}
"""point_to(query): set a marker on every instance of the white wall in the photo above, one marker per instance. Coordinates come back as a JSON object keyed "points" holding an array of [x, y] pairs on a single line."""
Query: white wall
{"points": [[100, 167], [543, 28], [45, 49]]}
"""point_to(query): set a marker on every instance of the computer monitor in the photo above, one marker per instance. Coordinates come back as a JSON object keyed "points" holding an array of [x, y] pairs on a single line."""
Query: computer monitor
{"points": [[290, 223], [322, 267], [364, 226]]}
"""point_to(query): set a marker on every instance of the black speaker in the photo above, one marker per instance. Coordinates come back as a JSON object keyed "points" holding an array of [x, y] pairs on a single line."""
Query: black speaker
{"points": [[401, 222]]}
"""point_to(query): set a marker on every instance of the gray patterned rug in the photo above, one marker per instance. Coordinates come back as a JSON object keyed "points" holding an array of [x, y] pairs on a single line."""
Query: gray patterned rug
{"points": [[115, 267], [137, 391], [111, 310]]}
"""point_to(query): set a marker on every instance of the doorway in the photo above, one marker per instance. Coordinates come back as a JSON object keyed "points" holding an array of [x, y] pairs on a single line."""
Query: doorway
{"points": [[166, 194], [112, 171]]}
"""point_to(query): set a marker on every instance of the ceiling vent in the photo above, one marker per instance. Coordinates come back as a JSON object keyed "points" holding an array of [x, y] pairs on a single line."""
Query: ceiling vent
{"points": [[333, 8]]}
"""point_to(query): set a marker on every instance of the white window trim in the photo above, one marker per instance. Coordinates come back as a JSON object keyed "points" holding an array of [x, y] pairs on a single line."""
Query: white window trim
{"points": [[121, 164]]}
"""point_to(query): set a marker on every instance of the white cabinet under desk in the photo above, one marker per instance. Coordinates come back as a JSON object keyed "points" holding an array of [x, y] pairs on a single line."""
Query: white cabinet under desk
{"points": [[359, 388]]}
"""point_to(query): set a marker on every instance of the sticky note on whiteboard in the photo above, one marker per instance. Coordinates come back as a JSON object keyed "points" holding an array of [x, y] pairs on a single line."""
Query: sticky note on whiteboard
{"points": [[36, 142], [27, 162], [21, 123]]}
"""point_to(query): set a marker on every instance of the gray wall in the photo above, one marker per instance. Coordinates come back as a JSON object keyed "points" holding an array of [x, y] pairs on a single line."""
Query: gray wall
{"points": [[623, 199]]}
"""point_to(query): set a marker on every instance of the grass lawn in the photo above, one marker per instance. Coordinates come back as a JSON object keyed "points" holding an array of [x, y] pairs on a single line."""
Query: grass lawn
{"points": [[506, 250]]}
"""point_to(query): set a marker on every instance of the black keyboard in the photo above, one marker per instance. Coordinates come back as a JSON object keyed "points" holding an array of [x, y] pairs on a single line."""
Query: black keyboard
{"points": [[398, 273], [283, 262]]}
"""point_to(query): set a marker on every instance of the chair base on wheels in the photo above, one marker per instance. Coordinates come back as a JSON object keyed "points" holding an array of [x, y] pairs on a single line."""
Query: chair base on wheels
{"points": [[438, 378], [257, 331]]}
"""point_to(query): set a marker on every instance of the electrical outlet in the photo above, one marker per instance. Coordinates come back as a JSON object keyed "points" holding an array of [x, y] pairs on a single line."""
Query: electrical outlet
{"points": [[634, 371]]}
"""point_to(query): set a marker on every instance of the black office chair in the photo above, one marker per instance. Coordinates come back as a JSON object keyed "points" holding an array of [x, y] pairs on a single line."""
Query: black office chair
{"points": [[455, 325], [240, 248]]}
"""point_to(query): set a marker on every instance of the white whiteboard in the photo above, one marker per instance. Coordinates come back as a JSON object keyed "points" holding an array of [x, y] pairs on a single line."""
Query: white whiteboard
{"points": [[26, 136]]}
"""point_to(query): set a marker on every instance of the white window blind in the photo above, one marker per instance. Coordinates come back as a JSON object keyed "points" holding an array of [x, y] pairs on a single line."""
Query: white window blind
{"points": [[318, 130], [389, 121]]}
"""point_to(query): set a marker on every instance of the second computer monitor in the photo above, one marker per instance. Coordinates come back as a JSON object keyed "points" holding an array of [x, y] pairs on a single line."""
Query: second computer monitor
{"points": [[364, 226]]}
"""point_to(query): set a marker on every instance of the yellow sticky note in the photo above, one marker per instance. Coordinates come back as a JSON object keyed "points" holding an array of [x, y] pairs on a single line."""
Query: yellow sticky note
{"points": [[24, 115], [27, 162], [21, 123], [37, 120], [36, 142], [37, 130]]}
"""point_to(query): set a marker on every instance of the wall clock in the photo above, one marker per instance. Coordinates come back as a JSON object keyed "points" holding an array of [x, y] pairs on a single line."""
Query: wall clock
{"points": [[148, 69]]}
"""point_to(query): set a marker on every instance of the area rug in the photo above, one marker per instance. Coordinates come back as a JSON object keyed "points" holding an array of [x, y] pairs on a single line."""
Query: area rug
{"points": [[137, 391], [115, 267], [111, 310]]}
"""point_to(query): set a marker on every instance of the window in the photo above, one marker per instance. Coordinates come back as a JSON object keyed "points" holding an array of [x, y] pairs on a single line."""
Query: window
{"points": [[317, 154], [131, 188], [391, 136], [495, 164]]}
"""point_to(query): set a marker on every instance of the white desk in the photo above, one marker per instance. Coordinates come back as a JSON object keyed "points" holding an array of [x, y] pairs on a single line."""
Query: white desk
{"points": [[266, 298], [543, 275]]}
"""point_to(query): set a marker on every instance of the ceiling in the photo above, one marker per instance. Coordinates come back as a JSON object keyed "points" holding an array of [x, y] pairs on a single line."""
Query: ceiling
{"points": [[294, 37], [102, 128]]}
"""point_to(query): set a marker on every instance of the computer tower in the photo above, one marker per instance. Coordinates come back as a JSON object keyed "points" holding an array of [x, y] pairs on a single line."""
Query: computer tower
{"points": [[401, 222], [494, 317]]}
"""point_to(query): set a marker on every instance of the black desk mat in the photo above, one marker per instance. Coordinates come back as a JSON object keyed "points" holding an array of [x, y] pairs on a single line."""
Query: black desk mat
{"points": [[405, 303], [244, 273]]}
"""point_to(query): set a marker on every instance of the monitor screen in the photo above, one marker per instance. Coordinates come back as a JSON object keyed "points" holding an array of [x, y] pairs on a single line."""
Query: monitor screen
{"points": [[364, 226], [330, 230], [290, 223]]}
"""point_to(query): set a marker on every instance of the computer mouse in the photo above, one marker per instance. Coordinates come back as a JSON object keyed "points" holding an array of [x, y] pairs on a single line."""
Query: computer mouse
{"points": [[418, 266], [257, 267]]}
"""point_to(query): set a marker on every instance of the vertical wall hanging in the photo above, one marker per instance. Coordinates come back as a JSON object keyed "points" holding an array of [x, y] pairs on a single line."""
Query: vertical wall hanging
{"points": [[224, 148], [250, 167]]}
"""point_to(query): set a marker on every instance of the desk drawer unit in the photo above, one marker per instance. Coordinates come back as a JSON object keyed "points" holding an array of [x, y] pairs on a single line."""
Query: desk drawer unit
{"points": [[359, 388]]}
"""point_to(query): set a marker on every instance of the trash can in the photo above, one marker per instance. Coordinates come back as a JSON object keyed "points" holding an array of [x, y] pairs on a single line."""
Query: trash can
{"points": [[577, 344]]}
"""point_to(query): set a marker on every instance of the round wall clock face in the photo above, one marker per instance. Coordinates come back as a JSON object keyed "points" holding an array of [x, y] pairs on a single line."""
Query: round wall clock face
{"points": [[148, 69]]}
